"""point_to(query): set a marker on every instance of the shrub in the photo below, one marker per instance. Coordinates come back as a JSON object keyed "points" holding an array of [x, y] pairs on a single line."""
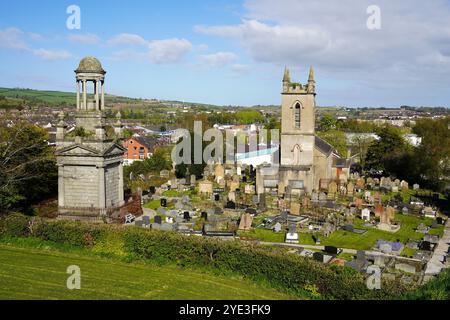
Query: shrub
{"points": [[271, 265], [16, 225]]}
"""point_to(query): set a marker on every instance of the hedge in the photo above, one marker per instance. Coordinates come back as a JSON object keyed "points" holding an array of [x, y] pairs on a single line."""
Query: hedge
{"points": [[282, 270]]}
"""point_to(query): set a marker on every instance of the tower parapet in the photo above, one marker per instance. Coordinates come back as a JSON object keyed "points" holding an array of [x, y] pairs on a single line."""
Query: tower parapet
{"points": [[290, 87]]}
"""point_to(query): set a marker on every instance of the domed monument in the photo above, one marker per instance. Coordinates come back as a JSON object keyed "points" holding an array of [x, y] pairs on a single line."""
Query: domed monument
{"points": [[90, 172]]}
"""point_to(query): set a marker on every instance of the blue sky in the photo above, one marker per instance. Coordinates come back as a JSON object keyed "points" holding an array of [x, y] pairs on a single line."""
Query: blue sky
{"points": [[233, 52]]}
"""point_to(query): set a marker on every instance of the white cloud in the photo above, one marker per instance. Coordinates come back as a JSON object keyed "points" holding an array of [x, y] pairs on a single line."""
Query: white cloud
{"points": [[240, 69], [52, 54], [332, 35], [12, 38], [127, 39], [168, 50], [87, 38], [219, 59]]}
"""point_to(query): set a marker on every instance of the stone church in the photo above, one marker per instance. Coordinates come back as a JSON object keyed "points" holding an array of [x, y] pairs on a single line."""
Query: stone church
{"points": [[90, 175], [307, 162]]}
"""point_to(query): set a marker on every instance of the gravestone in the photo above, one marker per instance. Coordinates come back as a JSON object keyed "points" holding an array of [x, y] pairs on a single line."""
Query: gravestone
{"points": [[164, 173], [246, 222], [379, 209], [416, 186], [146, 220], [292, 228], [160, 211], [216, 197], [360, 183], [219, 172], [277, 227], [193, 179], [365, 214], [158, 219], [332, 189], [314, 197], [255, 199], [322, 197], [204, 216], [163, 202], [397, 182], [152, 189], [205, 187], [350, 189], [295, 208], [234, 185], [232, 196], [359, 203], [230, 205], [262, 201], [249, 189], [404, 185], [186, 216]]}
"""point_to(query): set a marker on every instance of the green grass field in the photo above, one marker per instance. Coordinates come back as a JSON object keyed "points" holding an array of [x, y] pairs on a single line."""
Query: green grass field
{"points": [[32, 273]]}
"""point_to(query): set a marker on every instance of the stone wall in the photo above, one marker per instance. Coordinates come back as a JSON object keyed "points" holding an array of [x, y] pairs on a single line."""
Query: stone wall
{"points": [[81, 186]]}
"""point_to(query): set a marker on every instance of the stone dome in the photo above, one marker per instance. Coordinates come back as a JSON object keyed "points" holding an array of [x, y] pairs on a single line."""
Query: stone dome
{"points": [[90, 65]]}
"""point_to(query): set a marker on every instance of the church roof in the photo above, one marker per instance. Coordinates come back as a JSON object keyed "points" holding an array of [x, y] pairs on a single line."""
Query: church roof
{"points": [[90, 65], [323, 146]]}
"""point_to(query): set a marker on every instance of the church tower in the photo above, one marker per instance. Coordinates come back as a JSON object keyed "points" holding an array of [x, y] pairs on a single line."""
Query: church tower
{"points": [[90, 173], [298, 121]]}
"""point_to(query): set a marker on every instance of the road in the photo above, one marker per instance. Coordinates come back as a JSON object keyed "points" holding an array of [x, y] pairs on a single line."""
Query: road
{"points": [[435, 265]]}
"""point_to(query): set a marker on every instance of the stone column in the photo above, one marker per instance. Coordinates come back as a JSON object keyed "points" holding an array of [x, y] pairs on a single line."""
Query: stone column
{"points": [[61, 190], [84, 95], [101, 189], [103, 95], [121, 198], [78, 95], [97, 104]]}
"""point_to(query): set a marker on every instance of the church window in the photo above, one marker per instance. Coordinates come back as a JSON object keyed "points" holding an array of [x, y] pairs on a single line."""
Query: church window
{"points": [[297, 115]]}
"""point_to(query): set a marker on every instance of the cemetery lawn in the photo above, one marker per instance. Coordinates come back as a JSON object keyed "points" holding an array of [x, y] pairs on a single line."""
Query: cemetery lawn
{"points": [[346, 239], [40, 273]]}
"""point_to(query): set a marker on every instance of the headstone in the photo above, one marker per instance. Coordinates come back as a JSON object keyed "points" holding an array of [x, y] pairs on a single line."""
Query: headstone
{"points": [[163, 202], [152, 189], [314, 197], [219, 172], [158, 219], [234, 185], [394, 189], [277, 227], [322, 197], [255, 199], [365, 214], [205, 187], [416, 186], [281, 188], [292, 228], [360, 183], [216, 197], [386, 248], [186, 216], [204, 216], [230, 205], [249, 189], [232, 196], [146, 220], [350, 189], [193, 179], [404, 185], [238, 170], [262, 201], [332, 189], [295, 208], [160, 211], [246, 222], [359, 203]]}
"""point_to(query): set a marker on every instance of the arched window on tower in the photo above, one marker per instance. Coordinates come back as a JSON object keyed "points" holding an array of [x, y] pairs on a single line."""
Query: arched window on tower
{"points": [[297, 114]]}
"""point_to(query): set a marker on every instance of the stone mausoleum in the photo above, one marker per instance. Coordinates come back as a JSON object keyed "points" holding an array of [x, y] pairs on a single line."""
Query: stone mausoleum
{"points": [[306, 160], [90, 175]]}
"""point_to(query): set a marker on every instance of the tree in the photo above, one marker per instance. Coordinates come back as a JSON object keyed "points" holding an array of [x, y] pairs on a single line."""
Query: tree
{"points": [[327, 122], [360, 144], [337, 139], [432, 156], [389, 154], [28, 170]]}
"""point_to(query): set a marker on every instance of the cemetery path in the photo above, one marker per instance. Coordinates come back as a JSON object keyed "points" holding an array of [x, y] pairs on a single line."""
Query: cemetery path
{"points": [[305, 246], [435, 265]]}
